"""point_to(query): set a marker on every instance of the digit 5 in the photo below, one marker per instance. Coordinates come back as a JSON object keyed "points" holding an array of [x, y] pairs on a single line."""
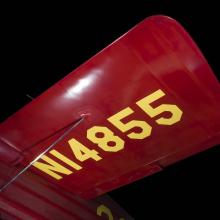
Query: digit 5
{"points": [[144, 104], [116, 121]]}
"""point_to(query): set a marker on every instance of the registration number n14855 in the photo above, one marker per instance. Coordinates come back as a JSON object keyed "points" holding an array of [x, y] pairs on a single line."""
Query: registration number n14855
{"points": [[106, 140]]}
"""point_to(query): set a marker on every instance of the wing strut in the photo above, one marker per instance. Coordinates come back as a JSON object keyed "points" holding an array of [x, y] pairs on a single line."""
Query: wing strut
{"points": [[73, 126]]}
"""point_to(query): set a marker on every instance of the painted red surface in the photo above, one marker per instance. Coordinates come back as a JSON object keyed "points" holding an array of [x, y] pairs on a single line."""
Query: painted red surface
{"points": [[155, 54], [31, 197]]}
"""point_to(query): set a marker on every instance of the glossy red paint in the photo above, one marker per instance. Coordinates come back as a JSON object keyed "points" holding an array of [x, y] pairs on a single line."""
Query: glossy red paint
{"points": [[155, 54]]}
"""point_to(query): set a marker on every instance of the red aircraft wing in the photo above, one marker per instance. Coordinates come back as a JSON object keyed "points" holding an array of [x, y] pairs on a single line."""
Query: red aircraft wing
{"points": [[144, 102], [32, 198]]}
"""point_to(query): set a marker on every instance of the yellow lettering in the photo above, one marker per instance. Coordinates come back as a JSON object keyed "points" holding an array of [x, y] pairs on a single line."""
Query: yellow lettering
{"points": [[145, 105], [81, 152], [103, 209], [51, 167], [65, 159], [107, 138]]}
